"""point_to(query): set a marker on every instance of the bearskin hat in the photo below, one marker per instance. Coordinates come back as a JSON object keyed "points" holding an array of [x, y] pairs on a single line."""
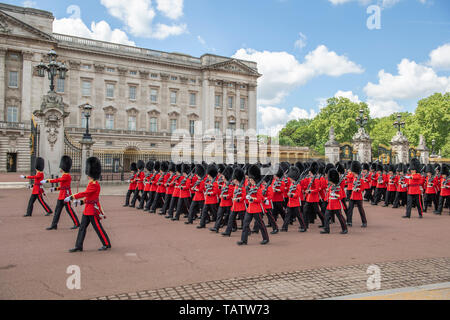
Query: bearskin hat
{"points": [[399, 167], [221, 167], [200, 170], [414, 165], [340, 168], [429, 168], [445, 169], [294, 173], [437, 167], [133, 167], [157, 165], [328, 167], [333, 176], [186, 168], [379, 167], [212, 171], [355, 167], [40, 164], [179, 167], [300, 166], [172, 167], [140, 165], [365, 166], [314, 167], [149, 165], [164, 166], [239, 174], [254, 172], [391, 168], [268, 179], [373, 166], [228, 173], [321, 168], [66, 163], [94, 168]]}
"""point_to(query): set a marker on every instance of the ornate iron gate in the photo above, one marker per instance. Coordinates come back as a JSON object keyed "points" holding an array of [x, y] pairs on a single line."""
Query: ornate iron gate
{"points": [[34, 145], [413, 153], [73, 151], [384, 154], [346, 152]]}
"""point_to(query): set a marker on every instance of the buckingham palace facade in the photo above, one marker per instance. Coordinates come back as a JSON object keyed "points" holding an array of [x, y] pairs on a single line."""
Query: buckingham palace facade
{"points": [[140, 96]]}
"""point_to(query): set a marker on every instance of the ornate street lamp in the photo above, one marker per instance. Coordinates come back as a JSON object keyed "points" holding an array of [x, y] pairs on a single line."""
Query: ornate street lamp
{"points": [[399, 123], [87, 109], [53, 69], [361, 121]]}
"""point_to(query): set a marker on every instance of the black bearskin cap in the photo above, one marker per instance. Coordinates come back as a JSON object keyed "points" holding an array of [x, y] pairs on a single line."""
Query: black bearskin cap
{"points": [[437, 167], [321, 168], [164, 166], [314, 167], [179, 167], [228, 173], [391, 168], [212, 171], [200, 170], [133, 167], [157, 165], [400, 167], [239, 174], [340, 168], [373, 166], [355, 167], [221, 167], [445, 169], [186, 168], [429, 168], [172, 167], [140, 165], [365, 166], [65, 164], [94, 168], [40, 164], [333, 176], [254, 172], [414, 165], [294, 173], [328, 167], [150, 165], [379, 167]]}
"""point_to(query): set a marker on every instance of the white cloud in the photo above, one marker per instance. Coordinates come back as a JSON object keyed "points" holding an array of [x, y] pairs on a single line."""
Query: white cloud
{"points": [[30, 4], [172, 9], [282, 72], [300, 43], [440, 57], [138, 16], [349, 95], [383, 108], [98, 31], [273, 119], [412, 81]]}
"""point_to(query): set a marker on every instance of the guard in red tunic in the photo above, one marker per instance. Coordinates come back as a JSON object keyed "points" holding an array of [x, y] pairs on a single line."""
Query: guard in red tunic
{"points": [[93, 211], [414, 189], [199, 194], [279, 187], [146, 196], [431, 188], [64, 191], [211, 197], [445, 189], [254, 209], [38, 189], [382, 179], [169, 188], [140, 183], [334, 205], [152, 184], [355, 185], [312, 186], [226, 200], [391, 186], [184, 201], [238, 202], [132, 184], [295, 195], [160, 192]]}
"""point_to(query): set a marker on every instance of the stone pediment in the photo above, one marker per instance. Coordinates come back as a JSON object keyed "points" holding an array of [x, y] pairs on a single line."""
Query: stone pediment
{"points": [[234, 66], [13, 26]]}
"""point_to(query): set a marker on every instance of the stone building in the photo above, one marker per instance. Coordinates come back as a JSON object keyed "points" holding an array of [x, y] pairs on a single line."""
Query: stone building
{"points": [[140, 96]]}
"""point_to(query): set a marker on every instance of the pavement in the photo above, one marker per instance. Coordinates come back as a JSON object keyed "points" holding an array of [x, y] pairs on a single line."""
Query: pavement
{"points": [[154, 258]]}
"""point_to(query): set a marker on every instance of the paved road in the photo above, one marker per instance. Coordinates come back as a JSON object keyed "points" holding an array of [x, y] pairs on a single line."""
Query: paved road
{"points": [[150, 253]]}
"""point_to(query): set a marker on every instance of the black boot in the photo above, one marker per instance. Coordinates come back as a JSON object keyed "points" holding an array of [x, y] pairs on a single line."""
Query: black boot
{"points": [[76, 249], [52, 228]]}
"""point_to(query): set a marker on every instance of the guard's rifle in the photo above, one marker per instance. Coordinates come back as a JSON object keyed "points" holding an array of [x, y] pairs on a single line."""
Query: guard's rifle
{"points": [[264, 193], [357, 184], [295, 184], [170, 179], [238, 191]]}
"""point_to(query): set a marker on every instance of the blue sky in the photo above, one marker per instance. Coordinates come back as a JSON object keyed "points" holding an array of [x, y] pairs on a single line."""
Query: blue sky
{"points": [[307, 50]]}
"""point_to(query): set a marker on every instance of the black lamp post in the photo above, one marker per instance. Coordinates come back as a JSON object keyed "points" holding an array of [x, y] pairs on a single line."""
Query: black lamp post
{"points": [[87, 109], [399, 123], [53, 69], [361, 120]]}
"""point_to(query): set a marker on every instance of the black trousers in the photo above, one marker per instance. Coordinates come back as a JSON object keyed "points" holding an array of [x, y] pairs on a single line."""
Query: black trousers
{"points": [[166, 204], [414, 199], [311, 211], [293, 213], [222, 214], [143, 199], [270, 219], [362, 213], [183, 206], [259, 221], [400, 199], [379, 194], [127, 197], [158, 201], [428, 200], [442, 200], [232, 224], [207, 209], [329, 214], [95, 221], [194, 209], [172, 206], [389, 197], [60, 204], [151, 196], [278, 210], [348, 194], [38, 197], [368, 195], [136, 197]]}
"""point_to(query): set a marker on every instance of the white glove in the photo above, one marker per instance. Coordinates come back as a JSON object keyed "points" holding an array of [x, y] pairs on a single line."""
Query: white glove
{"points": [[52, 189], [22, 176], [67, 199], [128, 181], [44, 181], [76, 202], [267, 202]]}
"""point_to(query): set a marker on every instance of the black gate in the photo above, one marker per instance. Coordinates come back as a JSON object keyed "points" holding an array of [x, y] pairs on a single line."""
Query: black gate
{"points": [[413, 153], [73, 151], [384, 154], [34, 145], [346, 152]]}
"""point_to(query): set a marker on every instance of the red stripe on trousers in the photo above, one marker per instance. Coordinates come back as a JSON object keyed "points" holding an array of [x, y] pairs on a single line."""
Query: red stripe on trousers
{"points": [[43, 203], [100, 229], [71, 214]]}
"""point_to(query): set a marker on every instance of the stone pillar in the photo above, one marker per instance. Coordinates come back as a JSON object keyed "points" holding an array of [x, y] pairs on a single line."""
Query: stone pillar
{"points": [[50, 118], [86, 153], [252, 114], [27, 72], [2, 83], [400, 148], [424, 151], [363, 146], [332, 148]]}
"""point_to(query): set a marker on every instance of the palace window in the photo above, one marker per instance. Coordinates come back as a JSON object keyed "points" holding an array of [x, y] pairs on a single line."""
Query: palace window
{"points": [[173, 78], [218, 103], [86, 88], [192, 127], [13, 114], [193, 99], [153, 95], [173, 97], [13, 80], [60, 85], [173, 125], [230, 102], [154, 75], [217, 126], [133, 73], [108, 143], [193, 81], [109, 121], [110, 90], [132, 123], [153, 125], [110, 69], [86, 66], [132, 92], [243, 102]]}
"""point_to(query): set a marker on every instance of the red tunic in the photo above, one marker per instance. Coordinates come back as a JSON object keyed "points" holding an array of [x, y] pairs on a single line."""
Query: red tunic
{"points": [[226, 200], [199, 193], [278, 194], [431, 185], [140, 180], [267, 201], [212, 197], [445, 187], [334, 201], [294, 198], [185, 188], [239, 202], [91, 194], [402, 185], [313, 195], [37, 189], [255, 205], [382, 181], [133, 183], [414, 184], [392, 182], [64, 185]]}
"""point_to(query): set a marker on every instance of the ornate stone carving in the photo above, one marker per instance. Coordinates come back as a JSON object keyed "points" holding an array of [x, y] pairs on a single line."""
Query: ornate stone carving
{"points": [[144, 74], [74, 65], [164, 76], [4, 28], [52, 100], [99, 68], [184, 80], [122, 71]]}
